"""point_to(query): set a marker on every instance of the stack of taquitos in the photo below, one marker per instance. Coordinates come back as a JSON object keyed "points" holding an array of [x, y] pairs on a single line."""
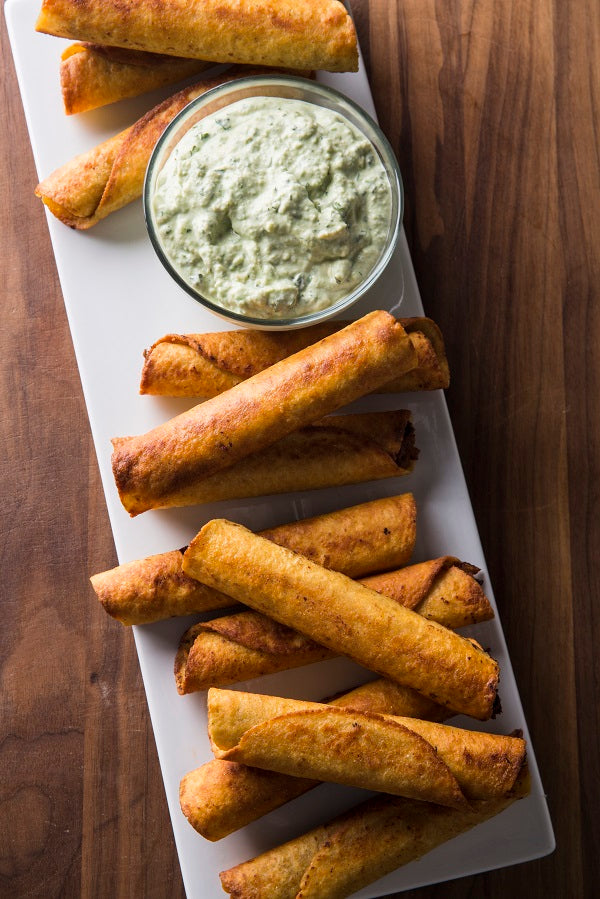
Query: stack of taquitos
{"points": [[337, 450], [204, 365], [345, 616], [371, 536], [245, 645], [397, 755], [373, 839], [171, 464], [223, 796]]}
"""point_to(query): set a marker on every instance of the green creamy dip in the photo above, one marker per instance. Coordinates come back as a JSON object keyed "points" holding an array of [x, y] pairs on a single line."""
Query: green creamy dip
{"points": [[273, 207]]}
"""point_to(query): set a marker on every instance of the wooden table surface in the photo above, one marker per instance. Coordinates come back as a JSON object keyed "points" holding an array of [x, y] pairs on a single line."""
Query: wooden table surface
{"points": [[494, 111]]}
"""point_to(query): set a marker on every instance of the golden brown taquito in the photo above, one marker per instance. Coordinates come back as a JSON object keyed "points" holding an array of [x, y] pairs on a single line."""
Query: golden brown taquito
{"points": [[220, 797], [93, 75], [398, 755], [297, 34], [371, 536], [337, 859], [157, 468], [92, 185], [345, 616], [247, 644], [204, 365]]}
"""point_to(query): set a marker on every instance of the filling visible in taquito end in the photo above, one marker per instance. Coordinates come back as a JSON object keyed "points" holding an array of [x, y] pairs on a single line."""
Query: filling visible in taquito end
{"points": [[402, 756], [371, 536], [248, 644], [151, 469], [220, 797], [296, 34], [337, 859], [204, 365], [346, 617]]}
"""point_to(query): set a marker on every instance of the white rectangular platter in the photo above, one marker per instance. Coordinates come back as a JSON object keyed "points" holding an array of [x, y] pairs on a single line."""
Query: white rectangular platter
{"points": [[119, 300]]}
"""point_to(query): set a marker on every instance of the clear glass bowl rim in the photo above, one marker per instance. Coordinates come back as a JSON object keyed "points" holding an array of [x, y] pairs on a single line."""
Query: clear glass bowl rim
{"points": [[359, 118]]}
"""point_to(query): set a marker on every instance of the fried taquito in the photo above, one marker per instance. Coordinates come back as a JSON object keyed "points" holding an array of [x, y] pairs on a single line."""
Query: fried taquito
{"points": [[204, 365], [296, 34], [94, 75]]}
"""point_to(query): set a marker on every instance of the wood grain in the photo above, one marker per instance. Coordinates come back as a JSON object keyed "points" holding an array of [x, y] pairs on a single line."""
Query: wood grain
{"points": [[493, 110]]}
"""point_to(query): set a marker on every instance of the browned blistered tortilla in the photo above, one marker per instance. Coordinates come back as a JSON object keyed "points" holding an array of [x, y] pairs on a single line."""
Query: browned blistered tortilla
{"points": [[447, 765], [92, 185], [345, 616], [297, 34], [443, 590], [205, 365], [337, 859], [372, 536], [220, 797], [247, 644], [157, 469], [93, 75]]}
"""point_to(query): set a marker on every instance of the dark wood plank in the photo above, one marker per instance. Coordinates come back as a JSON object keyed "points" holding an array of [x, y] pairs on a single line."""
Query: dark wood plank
{"points": [[493, 110]]}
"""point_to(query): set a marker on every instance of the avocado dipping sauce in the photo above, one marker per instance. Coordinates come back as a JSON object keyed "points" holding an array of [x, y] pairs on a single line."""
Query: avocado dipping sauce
{"points": [[273, 207]]}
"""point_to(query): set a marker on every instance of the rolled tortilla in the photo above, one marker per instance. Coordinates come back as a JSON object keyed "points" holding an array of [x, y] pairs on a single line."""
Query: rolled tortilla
{"points": [[337, 859], [245, 645], [297, 34], [372, 536], [157, 468], [397, 755], [220, 797], [109, 176], [93, 75], [204, 365], [345, 616], [442, 590]]}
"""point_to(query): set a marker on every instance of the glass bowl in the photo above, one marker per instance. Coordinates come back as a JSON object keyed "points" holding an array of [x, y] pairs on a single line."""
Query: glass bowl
{"points": [[279, 86]]}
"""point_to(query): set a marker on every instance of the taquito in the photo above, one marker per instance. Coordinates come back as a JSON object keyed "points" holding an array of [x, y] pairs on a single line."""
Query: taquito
{"points": [[157, 468], [337, 859], [297, 34], [245, 645], [387, 753], [109, 176], [204, 365], [345, 616], [92, 75], [371, 536], [220, 797]]}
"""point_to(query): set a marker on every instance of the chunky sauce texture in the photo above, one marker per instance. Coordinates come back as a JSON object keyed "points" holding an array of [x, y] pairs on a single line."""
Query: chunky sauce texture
{"points": [[273, 207]]}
